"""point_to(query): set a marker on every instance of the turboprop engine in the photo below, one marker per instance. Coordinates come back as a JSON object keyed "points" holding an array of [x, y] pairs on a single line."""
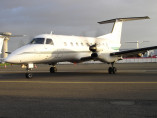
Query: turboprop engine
{"points": [[99, 54], [95, 49]]}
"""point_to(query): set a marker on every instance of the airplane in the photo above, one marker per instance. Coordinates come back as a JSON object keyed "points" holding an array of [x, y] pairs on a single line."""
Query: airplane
{"points": [[51, 49], [1, 43], [4, 37]]}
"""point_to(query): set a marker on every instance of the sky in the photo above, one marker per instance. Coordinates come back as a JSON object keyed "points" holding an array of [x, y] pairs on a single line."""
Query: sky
{"points": [[78, 17]]}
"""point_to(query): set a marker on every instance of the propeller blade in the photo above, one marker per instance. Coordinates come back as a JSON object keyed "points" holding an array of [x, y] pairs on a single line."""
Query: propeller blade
{"points": [[93, 48]]}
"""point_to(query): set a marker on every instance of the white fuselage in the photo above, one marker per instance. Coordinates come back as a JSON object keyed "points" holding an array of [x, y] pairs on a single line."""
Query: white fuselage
{"points": [[63, 48]]}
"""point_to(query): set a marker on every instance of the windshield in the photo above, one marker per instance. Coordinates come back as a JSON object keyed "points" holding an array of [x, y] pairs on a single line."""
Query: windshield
{"points": [[37, 41]]}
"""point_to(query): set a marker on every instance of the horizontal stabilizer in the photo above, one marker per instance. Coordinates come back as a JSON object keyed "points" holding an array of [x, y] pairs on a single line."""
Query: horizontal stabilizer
{"points": [[123, 19]]}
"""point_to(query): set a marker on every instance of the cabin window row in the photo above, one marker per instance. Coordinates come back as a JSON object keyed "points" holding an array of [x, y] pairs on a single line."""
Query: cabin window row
{"points": [[50, 42], [81, 44]]}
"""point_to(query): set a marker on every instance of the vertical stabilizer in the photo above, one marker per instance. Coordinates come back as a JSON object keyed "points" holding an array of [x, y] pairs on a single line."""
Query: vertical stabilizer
{"points": [[1, 44], [117, 31], [115, 35]]}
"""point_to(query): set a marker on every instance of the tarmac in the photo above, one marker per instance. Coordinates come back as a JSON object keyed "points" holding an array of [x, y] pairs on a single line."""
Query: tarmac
{"points": [[80, 91]]}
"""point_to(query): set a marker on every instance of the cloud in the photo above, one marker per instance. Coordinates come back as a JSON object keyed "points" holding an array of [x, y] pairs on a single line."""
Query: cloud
{"points": [[77, 17]]}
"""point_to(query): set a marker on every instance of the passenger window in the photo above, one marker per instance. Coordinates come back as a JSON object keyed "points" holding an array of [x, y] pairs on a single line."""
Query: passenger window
{"points": [[77, 44], [65, 44], [49, 41], [82, 44], [71, 44]]}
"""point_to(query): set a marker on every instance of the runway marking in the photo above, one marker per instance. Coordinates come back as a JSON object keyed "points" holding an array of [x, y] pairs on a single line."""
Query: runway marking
{"points": [[54, 82]]}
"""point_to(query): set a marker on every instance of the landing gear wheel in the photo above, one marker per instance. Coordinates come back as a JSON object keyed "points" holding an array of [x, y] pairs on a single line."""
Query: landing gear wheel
{"points": [[112, 70], [29, 75], [53, 69]]}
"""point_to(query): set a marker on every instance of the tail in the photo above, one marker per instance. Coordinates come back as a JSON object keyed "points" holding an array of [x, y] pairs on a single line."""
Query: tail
{"points": [[1, 43], [115, 35], [4, 37]]}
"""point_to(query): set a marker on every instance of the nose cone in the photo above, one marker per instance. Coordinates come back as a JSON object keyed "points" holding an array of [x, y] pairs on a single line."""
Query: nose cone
{"points": [[11, 59], [16, 56]]}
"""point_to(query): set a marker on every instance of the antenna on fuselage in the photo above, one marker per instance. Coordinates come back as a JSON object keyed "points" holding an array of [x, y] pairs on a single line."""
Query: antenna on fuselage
{"points": [[52, 32]]}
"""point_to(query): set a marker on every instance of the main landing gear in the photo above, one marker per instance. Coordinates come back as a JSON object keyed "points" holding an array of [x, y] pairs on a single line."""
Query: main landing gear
{"points": [[53, 69], [112, 69]]}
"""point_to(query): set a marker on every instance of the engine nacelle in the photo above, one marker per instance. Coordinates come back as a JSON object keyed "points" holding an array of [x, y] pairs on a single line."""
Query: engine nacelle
{"points": [[105, 57], [94, 55]]}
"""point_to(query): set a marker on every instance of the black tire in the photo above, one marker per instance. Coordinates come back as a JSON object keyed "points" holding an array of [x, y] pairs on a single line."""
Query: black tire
{"points": [[29, 75], [114, 70], [110, 70], [53, 69]]}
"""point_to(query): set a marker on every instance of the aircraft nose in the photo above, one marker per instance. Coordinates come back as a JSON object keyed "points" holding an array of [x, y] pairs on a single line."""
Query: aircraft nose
{"points": [[11, 59]]}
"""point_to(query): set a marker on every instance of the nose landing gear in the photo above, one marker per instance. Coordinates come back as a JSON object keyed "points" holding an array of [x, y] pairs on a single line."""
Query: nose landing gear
{"points": [[28, 74]]}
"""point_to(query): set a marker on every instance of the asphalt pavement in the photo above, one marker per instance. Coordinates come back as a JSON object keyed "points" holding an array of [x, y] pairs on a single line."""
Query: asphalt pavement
{"points": [[79, 91]]}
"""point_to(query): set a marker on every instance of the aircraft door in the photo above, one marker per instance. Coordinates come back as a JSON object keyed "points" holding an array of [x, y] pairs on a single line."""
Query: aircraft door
{"points": [[49, 45], [59, 53]]}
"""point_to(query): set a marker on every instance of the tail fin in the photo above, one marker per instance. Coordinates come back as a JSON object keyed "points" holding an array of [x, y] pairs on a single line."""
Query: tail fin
{"points": [[1, 43], [117, 27]]}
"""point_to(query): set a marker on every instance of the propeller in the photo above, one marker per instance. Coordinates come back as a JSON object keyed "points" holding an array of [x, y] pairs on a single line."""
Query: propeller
{"points": [[93, 49], [94, 46]]}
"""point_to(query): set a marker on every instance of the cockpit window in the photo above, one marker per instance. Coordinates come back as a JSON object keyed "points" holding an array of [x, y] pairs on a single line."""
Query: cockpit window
{"points": [[37, 41], [49, 41]]}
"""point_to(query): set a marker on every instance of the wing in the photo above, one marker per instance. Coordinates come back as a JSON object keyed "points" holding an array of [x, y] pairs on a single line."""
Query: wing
{"points": [[133, 52], [86, 58]]}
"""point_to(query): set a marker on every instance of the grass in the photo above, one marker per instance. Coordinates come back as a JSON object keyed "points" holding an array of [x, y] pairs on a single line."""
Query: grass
{"points": [[3, 64]]}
